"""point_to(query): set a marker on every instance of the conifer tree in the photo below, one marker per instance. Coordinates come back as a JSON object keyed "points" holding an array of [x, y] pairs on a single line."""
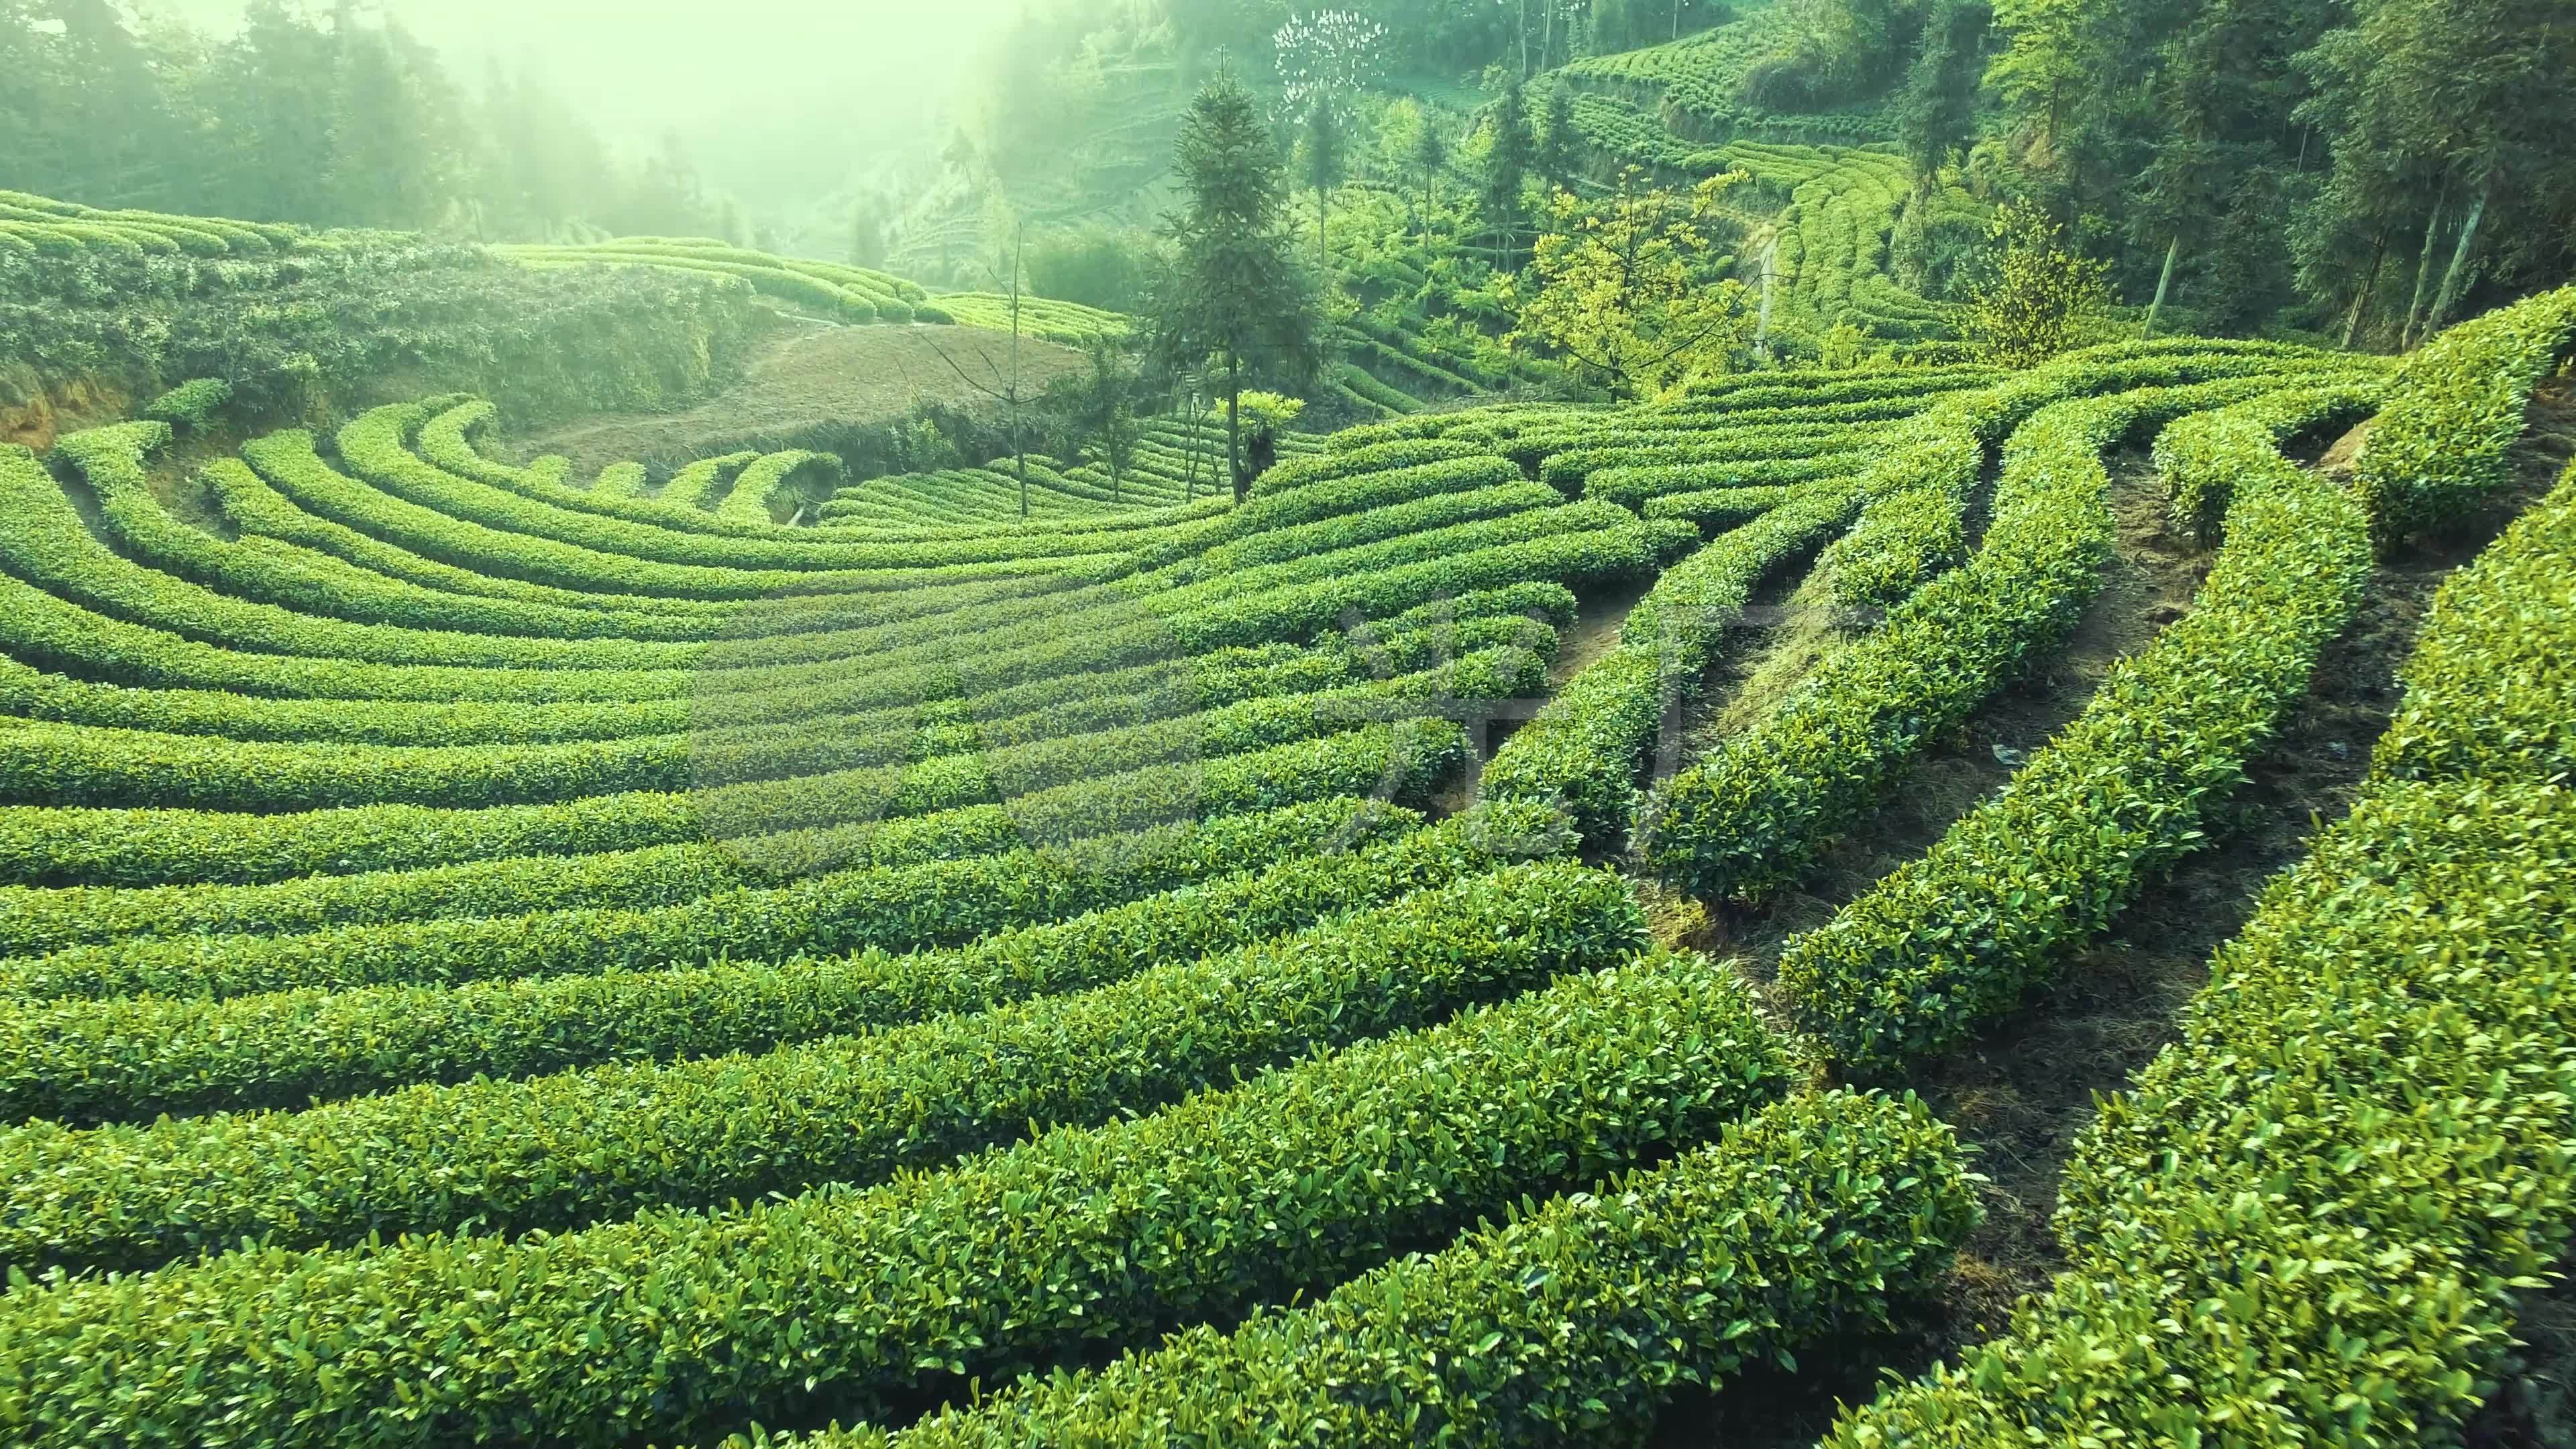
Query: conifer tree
{"points": [[1235, 296]]}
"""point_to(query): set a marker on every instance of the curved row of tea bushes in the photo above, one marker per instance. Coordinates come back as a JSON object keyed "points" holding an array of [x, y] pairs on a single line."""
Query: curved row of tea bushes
{"points": [[2439, 449], [1569, 469], [445, 442], [755, 486], [374, 446], [47, 846], [1584, 751], [317, 582], [697, 485], [1507, 497], [1596, 555], [2319, 1213], [1749, 818], [33, 921], [1348, 462], [102, 766], [258, 510], [44, 542], [45, 695], [1957, 937], [133, 1058], [2200, 481], [562, 1151], [442, 530], [1719, 509], [192, 406], [1570, 1324], [2491, 686], [936, 903], [1288, 1184], [1646, 488]]}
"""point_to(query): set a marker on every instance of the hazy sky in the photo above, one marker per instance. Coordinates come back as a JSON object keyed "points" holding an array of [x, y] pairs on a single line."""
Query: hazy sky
{"points": [[736, 76]]}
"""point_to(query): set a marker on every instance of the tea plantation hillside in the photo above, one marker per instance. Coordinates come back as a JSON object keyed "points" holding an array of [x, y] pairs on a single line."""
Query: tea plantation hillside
{"points": [[1027, 954]]}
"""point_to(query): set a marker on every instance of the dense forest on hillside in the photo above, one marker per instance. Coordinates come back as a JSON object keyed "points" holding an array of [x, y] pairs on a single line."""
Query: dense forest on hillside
{"points": [[1781, 723]]}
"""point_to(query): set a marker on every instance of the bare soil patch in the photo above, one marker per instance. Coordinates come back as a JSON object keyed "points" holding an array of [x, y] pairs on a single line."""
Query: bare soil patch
{"points": [[809, 385]]}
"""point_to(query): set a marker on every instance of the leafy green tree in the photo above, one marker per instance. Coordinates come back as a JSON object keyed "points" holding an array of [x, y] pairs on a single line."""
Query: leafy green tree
{"points": [[1507, 166], [2456, 112], [1560, 146], [1323, 159], [1630, 290], [869, 226], [1234, 293], [1935, 111], [1098, 412], [2041, 69], [2034, 297], [1430, 158]]}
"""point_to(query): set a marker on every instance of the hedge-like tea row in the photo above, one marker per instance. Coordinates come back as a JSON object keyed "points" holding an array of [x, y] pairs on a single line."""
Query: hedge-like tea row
{"points": [[749, 502], [1507, 496], [47, 695], [2491, 687], [373, 445], [2454, 411], [2199, 468], [258, 510], [318, 581], [1294, 473], [447, 530], [137, 1057], [1717, 508], [1593, 555], [1957, 937], [35, 921], [1199, 1213], [1585, 749], [192, 406], [1569, 1325], [1644, 488], [70, 847], [2317, 1214], [315, 583], [1749, 818], [698, 484], [561, 1151], [44, 542], [937, 903], [444, 441], [765, 773]]}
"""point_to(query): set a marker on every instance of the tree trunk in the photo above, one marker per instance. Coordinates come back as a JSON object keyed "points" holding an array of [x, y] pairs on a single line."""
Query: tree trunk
{"points": [[1524, 27], [2369, 284], [2450, 292], [2423, 270], [1770, 274], [2164, 280], [1234, 424], [1322, 200], [1019, 454]]}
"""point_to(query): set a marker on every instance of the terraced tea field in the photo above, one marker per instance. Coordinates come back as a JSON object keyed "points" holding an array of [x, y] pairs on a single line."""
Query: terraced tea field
{"points": [[502, 955]]}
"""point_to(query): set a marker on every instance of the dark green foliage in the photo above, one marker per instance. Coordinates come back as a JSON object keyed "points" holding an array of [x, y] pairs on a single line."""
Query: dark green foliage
{"points": [[1234, 293], [1566, 1326], [1299, 1179], [559, 1151], [2317, 1214]]}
